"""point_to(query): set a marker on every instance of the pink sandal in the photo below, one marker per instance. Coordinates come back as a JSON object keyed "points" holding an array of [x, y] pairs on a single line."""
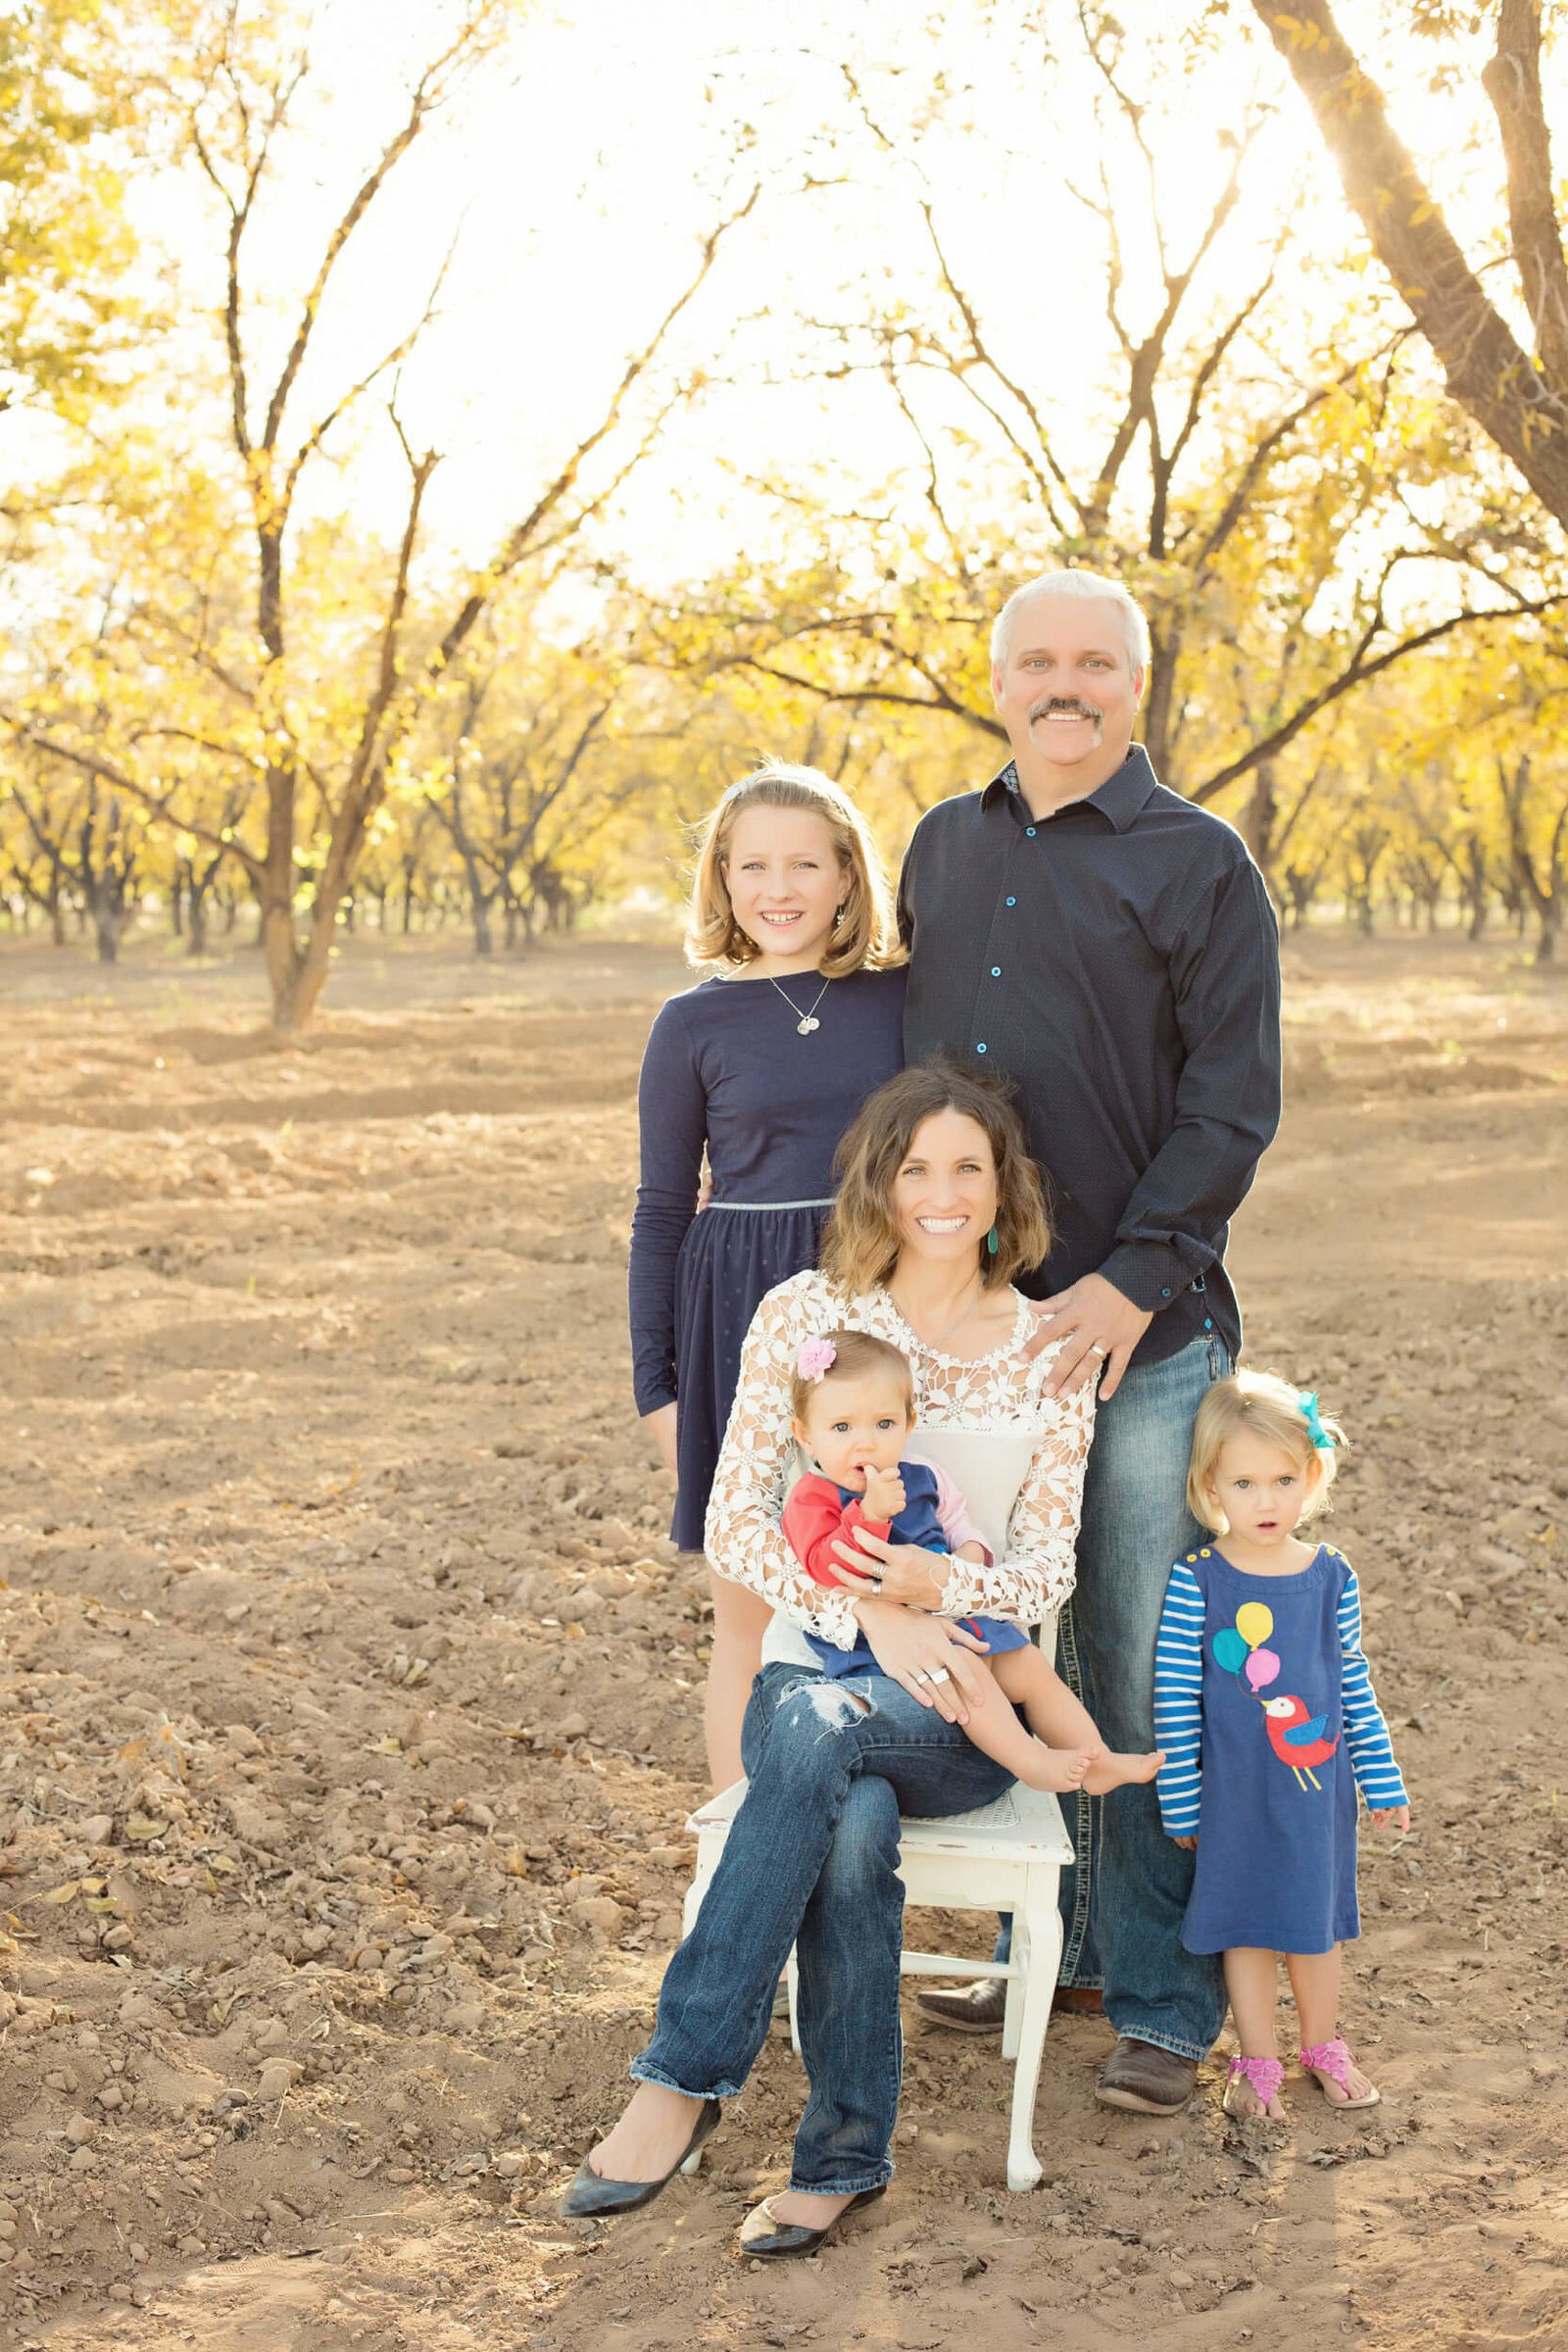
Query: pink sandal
{"points": [[1266, 2076], [1333, 2059]]}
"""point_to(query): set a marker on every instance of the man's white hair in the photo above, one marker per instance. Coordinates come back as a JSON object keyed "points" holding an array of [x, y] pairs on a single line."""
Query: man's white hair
{"points": [[1086, 585]]}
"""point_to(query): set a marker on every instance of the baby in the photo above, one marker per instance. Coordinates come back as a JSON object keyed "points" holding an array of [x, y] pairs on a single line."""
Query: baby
{"points": [[853, 1400]]}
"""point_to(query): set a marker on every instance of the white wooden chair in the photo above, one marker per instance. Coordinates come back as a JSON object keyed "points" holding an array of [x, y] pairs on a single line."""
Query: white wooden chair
{"points": [[1006, 1857]]}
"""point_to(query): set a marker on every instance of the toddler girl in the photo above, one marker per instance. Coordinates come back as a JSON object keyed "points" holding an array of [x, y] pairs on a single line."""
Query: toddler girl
{"points": [[1266, 1712], [852, 1402]]}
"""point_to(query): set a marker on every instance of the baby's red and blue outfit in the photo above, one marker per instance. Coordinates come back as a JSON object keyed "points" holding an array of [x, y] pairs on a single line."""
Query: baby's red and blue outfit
{"points": [[934, 1516]]}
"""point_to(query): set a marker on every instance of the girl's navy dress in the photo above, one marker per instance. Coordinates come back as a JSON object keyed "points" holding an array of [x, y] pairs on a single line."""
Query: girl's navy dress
{"points": [[727, 1070], [1264, 1705]]}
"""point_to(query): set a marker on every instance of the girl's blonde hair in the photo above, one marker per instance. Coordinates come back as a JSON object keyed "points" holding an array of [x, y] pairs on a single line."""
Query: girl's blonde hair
{"points": [[1268, 1406], [865, 932], [861, 1242]]}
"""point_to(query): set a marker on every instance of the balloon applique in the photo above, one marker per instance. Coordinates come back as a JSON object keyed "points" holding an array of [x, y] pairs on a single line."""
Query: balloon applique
{"points": [[1295, 1732], [1230, 1650], [1253, 1623]]}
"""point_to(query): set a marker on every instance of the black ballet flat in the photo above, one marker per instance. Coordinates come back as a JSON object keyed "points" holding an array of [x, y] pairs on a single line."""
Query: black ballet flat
{"points": [[590, 2193], [785, 2241]]}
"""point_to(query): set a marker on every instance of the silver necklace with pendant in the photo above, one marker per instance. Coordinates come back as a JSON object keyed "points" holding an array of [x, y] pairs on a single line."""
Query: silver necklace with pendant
{"points": [[806, 1022]]}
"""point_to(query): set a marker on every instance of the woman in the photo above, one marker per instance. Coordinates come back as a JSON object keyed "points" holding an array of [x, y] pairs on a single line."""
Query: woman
{"points": [[762, 1068], [939, 1207]]}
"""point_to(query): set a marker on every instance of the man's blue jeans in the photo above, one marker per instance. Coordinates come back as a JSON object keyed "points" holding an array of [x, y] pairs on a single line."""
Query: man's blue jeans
{"points": [[1124, 1902], [1122, 1905], [812, 1860]]}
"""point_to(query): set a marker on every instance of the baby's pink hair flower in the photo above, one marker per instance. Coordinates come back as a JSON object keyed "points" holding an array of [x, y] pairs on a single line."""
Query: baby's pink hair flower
{"points": [[816, 1358]]}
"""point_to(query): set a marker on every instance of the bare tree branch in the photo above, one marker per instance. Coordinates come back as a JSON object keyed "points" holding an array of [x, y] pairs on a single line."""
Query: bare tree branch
{"points": [[1357, 673], [93, 763], [521, 540], [426, 94], [977, 344]]}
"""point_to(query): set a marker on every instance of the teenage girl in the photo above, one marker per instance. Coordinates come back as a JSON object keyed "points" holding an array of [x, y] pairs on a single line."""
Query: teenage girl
{"points": [[1264, 1706], [762, 1068]]}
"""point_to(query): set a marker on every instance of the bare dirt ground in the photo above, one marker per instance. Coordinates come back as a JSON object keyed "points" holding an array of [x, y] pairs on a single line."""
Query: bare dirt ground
{"points": [[351, 1702]]}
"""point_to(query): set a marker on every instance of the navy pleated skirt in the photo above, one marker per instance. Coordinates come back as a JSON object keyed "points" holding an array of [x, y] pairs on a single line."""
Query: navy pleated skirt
{"points": [[729, 1259]]}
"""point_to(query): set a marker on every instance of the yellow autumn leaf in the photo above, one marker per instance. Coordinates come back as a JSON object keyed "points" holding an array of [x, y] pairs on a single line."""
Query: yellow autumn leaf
{"points": [[141, 1827], [62, 1894]]}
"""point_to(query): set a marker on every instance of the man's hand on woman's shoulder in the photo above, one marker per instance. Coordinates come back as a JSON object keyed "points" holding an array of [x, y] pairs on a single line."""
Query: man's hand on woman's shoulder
{"points": [[1095, 1326]]}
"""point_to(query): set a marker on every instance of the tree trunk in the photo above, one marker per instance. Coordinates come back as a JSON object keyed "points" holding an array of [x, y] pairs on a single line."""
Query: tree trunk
{"points": [[480, 901], [108, 916], [1260, 823], [1550, 925], [295, 1002], [280, 880], [1522, 407], [1158, 703]]}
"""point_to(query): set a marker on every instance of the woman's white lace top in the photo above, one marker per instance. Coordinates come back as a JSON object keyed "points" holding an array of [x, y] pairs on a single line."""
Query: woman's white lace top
{"points": [[743, 1537]]}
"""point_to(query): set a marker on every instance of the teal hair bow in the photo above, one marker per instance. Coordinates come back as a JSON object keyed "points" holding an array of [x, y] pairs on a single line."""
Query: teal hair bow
{"points": [[1308, 1400]]}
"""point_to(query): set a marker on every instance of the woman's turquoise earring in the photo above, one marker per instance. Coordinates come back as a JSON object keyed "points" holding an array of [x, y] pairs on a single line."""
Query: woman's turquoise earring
{"points": [[991, 1242]]}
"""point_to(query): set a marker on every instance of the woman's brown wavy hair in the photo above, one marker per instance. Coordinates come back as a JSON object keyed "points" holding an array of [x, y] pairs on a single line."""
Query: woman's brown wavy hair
{"points": [[866, 936], [860, 1246]]}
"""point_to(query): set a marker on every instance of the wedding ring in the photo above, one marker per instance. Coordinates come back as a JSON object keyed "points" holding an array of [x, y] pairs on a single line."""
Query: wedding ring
{"points": [[920, 1676], [941, 1676], [1094, 1349]]}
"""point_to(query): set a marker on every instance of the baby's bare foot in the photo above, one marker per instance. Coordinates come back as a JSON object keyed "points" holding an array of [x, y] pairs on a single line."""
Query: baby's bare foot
{"points": [[1058, 1768], [1112, 1771]]}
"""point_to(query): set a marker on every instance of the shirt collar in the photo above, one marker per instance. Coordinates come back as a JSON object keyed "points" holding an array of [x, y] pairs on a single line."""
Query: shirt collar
{"points": [[1120, 799]]}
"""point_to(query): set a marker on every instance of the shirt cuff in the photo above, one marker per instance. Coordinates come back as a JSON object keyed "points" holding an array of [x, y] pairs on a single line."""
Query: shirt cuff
{"points": [[1149, 1273], [835, 1622], [653, 1400]]}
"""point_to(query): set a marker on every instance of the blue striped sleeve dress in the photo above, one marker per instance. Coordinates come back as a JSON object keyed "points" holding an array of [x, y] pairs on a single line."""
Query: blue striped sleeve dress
{"points": [[1264, 1705]]}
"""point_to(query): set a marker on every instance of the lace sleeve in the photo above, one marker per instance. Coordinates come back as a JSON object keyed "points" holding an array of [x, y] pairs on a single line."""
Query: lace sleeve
{"points": [[743, 1535], [1039, 1569]]}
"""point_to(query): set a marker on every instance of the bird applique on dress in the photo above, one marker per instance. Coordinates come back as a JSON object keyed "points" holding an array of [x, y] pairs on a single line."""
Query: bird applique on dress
{"points": [[1296, 1738]]}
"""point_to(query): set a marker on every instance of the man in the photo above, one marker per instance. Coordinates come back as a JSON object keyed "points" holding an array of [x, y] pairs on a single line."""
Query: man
{"points": [[1112, 948]]}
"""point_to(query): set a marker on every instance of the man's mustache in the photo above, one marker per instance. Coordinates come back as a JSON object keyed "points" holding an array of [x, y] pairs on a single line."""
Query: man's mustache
{"points": [[1069, 703]]}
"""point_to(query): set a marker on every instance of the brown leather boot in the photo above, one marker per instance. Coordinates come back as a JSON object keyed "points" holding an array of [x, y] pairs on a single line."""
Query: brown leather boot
{"points": [[1142, 2076], [980, 2008]]}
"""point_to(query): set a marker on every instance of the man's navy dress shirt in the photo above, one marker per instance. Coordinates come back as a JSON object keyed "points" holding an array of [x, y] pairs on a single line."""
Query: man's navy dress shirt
{"points": [[1120, 960]]}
